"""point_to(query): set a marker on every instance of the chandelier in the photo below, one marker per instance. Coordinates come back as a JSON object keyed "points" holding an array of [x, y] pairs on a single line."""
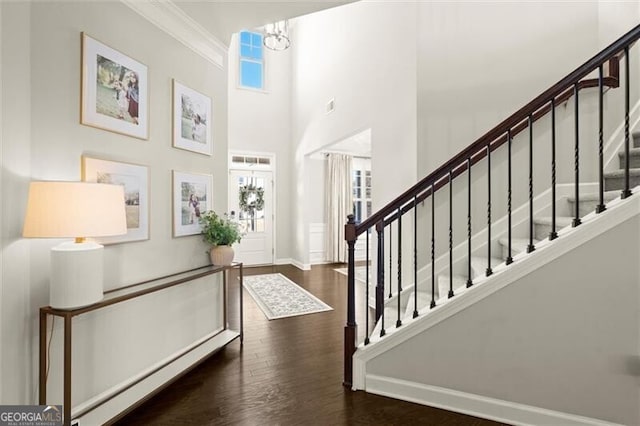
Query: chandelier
{"points": [[277, 36]]}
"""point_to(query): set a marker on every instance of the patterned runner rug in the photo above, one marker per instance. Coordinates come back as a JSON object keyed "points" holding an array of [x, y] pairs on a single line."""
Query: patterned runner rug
{"points": [[279, 297]]}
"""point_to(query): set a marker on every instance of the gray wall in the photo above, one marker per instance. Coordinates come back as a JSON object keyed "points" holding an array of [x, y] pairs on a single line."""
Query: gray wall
{"points": [[561, 338], [43, 140]]}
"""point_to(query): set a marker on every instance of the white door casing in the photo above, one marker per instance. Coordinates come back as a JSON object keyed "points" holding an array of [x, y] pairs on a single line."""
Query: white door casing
{"points": [[251, 203]]}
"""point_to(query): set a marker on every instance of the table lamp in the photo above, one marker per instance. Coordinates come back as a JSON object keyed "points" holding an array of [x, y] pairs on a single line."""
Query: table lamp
{"points": [[75, 210]]}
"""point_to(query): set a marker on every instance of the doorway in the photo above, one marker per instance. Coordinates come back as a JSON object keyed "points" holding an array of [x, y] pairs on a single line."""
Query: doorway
{"points": [[251, 204]]}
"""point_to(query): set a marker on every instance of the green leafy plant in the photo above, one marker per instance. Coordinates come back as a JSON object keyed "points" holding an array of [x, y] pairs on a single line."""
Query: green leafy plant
{"points": [[219, 230]]}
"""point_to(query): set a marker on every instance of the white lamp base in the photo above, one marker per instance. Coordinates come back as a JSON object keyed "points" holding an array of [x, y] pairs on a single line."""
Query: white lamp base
{"points": [[77, 275]]}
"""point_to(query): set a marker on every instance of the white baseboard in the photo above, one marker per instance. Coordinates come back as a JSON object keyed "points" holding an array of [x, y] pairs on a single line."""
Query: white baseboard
{"points": [[294, 262], [300, 265], [474, 405]]}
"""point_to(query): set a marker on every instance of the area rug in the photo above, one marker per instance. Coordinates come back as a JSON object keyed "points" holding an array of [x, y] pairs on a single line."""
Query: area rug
{"points": [[279, 297]]}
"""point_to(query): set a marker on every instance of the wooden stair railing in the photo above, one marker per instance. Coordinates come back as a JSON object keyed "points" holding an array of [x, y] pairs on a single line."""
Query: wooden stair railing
{"points": [[444, 175]]}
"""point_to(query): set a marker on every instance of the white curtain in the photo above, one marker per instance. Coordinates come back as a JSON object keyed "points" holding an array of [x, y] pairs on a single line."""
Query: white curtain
{"points": [[338, 204]]}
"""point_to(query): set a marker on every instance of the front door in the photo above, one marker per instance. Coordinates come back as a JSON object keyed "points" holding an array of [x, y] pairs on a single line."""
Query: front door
{"points": [[251, 204]]}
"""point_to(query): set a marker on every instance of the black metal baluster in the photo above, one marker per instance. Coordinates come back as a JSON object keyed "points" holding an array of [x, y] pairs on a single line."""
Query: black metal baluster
{"points": [[380, 283], [509, 259], [366, 301], [553, 234], [399, 321], [390, 261], [451, 294], [489, 270], [469, 280], [530, 247], [576, 220], [415, 256], [433, 248], [626, 191], [382, 330], [600, 207]]}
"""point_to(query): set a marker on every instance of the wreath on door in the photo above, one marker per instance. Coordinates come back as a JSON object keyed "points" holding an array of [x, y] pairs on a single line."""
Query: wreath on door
{"points": [[251, 198]]}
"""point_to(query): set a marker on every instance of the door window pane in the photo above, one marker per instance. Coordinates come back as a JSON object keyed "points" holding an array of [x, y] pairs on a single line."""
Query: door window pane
{"points": [[251, 213]]}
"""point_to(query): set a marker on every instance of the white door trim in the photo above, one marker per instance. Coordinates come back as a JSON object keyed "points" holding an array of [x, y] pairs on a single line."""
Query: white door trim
{"points": [[274, 199]]}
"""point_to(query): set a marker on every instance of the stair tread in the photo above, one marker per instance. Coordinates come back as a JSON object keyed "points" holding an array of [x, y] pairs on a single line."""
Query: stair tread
{"points": [[456, 278], [516, 242], [620, 173], [561, 221], [424, 299], [632, 151], [594, 196], [481, 262]]}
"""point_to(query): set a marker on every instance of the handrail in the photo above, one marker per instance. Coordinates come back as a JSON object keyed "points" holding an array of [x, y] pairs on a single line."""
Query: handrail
{"points": [[611, 81], [503, 133], [458, 162]]}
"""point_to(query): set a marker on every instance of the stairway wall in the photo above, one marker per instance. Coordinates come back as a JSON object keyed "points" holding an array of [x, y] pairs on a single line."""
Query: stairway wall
{"points": [[478, 63], [565, 337]]}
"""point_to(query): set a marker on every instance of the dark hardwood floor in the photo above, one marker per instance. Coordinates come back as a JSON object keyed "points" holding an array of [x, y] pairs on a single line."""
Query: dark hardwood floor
{"points": [[288, 372]]}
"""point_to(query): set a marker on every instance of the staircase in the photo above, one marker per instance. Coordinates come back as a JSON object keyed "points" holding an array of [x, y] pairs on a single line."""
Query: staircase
{"points": [[408, 298], [587, 204]]}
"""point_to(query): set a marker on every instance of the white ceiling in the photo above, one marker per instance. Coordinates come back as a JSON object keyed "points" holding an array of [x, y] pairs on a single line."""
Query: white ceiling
{"points": [[223, 18]]}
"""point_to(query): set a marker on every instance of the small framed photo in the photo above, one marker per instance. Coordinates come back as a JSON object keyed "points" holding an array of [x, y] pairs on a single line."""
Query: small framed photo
{"points": [[114, 90], [135, 180], [192, 120], [191, 197]]}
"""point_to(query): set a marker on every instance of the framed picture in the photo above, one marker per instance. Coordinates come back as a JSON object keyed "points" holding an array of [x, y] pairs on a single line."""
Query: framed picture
{"points": [[191, 197], [192, 120], [135, 180], [114, 90]]}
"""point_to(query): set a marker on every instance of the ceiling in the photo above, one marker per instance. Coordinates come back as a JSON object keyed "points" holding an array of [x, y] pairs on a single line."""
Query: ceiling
{"points": [[223, 18]]}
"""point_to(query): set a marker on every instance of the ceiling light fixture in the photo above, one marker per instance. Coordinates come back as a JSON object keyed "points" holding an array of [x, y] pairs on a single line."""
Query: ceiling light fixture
{"points": [[277, 35]]}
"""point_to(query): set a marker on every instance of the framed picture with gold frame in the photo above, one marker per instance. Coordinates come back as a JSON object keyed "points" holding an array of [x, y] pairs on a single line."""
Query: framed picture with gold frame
{"points": [[114, 93], [135, 180], [191, 197]]}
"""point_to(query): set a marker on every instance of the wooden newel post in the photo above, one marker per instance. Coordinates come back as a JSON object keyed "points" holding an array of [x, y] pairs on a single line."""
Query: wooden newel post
{"points": [[350, 328]]}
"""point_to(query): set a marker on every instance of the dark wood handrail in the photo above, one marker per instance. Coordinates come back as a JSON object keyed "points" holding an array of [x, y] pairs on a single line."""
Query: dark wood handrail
{"points": [[497, 136], [611, 81]]}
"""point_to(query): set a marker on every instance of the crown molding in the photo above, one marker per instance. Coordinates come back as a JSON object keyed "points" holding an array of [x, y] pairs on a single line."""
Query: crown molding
{"points": [[174, 21]]}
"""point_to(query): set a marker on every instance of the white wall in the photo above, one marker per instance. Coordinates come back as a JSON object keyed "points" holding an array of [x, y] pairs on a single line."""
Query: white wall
{"points": [[480, 62], [260, 121], [472, 76], [372, 77], [42, 139], [614, 19], [1, 214], [17, 373], [566, 337]]}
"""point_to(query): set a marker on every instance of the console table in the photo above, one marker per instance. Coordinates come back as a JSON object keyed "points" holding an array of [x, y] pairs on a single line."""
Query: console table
{"points": [[120, 295]]}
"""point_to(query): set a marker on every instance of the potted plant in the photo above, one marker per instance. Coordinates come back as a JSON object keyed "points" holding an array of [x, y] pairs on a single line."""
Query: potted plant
{"points": [[220, 232]]}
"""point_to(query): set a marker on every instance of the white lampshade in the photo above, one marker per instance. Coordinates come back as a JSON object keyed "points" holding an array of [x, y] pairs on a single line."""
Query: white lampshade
{"points": [[78, 210], [74, 209]]}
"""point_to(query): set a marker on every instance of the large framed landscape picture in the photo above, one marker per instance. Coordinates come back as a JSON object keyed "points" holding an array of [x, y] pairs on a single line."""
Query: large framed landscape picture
{"points": [[135, 180], [114, 90], [192, 120], [191, 198]]}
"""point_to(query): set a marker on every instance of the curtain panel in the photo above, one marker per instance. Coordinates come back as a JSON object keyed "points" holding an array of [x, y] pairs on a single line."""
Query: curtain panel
{"points": [[338, 204]]}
